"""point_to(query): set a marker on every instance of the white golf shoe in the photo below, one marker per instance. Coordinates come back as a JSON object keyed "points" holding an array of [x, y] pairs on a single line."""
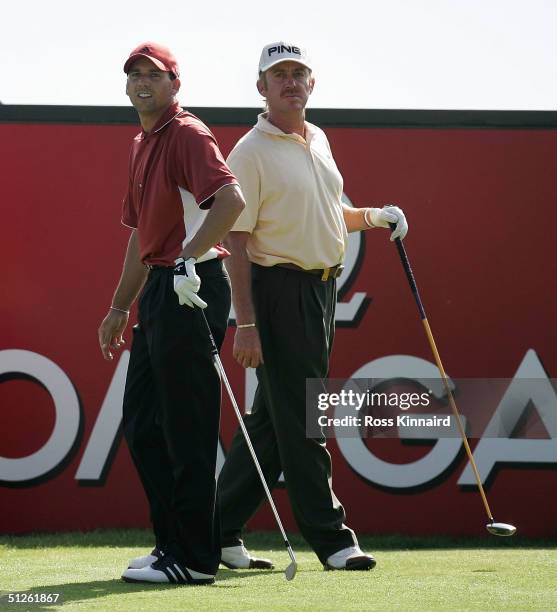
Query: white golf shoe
{"points": [[146, 560], [237, 557], [351, 558]]}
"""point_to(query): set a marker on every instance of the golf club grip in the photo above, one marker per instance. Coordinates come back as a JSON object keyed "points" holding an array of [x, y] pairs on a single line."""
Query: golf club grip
{"points": [[409, 274]]}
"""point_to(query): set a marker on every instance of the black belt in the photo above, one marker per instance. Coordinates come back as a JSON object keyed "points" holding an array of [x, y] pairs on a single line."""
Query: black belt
{"points": [[212, 260], [324, 273]]}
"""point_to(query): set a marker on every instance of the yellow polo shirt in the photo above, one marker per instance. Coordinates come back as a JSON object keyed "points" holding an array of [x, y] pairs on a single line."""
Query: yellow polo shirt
{"points": [[293, 190]]}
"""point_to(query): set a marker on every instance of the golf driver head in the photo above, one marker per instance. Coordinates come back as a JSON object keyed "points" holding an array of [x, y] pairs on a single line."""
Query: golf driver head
{"points": [[290, 571], [501, 529]]}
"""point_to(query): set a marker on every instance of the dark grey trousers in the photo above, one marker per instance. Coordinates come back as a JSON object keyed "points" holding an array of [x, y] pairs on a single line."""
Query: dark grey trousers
{"points": [[295, 317]]}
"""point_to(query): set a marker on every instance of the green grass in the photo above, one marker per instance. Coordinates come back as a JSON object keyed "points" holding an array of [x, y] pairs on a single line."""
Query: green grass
{"points": [[412, 574]]}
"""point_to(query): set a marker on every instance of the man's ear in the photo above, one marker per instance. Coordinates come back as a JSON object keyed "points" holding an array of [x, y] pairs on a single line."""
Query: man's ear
{"points": [[261, 87], [311, 84], [176, 86]]}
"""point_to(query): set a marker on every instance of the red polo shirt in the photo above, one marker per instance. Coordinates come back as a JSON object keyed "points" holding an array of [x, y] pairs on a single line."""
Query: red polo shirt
{"points": [[173, 170]]}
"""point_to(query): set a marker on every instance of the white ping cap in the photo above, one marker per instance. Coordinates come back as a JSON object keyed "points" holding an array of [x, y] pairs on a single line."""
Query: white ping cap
{"points": [[274, 53]]}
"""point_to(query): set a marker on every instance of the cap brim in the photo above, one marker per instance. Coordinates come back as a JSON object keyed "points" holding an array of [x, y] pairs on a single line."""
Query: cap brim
{"points": [[284, 59], [132, 58]]}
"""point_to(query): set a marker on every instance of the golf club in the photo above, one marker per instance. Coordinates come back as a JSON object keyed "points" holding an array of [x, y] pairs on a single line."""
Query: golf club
{"points": [[499, 529], [290, 571]]}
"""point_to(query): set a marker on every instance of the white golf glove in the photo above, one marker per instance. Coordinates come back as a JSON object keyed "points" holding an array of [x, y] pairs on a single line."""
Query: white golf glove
{"points": [[381, 217], [187, 283]]}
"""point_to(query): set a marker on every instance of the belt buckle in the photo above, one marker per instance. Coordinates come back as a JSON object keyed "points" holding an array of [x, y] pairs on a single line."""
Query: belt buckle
{"points": [[333, 272]]}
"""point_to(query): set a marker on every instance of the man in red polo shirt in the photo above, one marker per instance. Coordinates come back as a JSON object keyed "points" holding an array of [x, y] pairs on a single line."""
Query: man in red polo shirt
{"points": [[181, 201]]}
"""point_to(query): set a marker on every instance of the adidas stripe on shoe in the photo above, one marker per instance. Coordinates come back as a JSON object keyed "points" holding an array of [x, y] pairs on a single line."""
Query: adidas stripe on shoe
{"points": [[167, 571]]}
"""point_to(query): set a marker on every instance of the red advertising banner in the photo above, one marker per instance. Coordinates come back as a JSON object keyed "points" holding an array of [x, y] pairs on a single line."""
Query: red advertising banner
{"points": [[481, 209]]}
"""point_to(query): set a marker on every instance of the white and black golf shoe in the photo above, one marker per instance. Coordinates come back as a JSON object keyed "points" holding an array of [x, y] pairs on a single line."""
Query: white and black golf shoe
{"points": [[167, 571], [350, 559], [146, 560], [237, 557]]}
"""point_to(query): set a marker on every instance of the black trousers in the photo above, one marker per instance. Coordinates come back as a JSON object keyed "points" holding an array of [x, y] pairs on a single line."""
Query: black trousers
{"points": [[295, 316], [171, 413]]}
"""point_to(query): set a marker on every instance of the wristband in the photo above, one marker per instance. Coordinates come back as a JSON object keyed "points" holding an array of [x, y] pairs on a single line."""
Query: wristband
{"points": [[366, 220], [245, 325], [120, 310], [180, 265]]}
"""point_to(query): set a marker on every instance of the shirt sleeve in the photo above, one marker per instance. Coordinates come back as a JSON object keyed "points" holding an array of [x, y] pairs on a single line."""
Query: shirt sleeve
{"points": [[244, 168], [200, 166]]}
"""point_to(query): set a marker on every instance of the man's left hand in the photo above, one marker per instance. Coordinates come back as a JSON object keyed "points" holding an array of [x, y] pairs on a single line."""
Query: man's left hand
{"points": [[382, 217]]}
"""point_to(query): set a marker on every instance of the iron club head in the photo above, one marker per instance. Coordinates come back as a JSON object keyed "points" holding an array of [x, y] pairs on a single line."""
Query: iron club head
{"points": [[501, 529], [290, 571]]}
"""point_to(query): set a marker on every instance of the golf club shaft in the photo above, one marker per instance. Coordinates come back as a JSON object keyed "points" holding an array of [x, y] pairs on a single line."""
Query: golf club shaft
{"points": [[457, 415], [429, 334], [224, 378]]}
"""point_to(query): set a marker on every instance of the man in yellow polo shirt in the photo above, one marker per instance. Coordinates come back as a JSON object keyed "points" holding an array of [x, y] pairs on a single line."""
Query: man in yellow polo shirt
{"points": [[287, 248]]}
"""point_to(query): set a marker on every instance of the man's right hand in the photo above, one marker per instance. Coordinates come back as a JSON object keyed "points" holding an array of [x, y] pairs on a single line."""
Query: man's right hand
{"points": [[110, 332], [187, 283], [247, 347]]}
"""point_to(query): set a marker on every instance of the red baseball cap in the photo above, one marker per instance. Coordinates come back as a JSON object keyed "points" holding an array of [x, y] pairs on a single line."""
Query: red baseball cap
{"points": [[160, 55]]}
